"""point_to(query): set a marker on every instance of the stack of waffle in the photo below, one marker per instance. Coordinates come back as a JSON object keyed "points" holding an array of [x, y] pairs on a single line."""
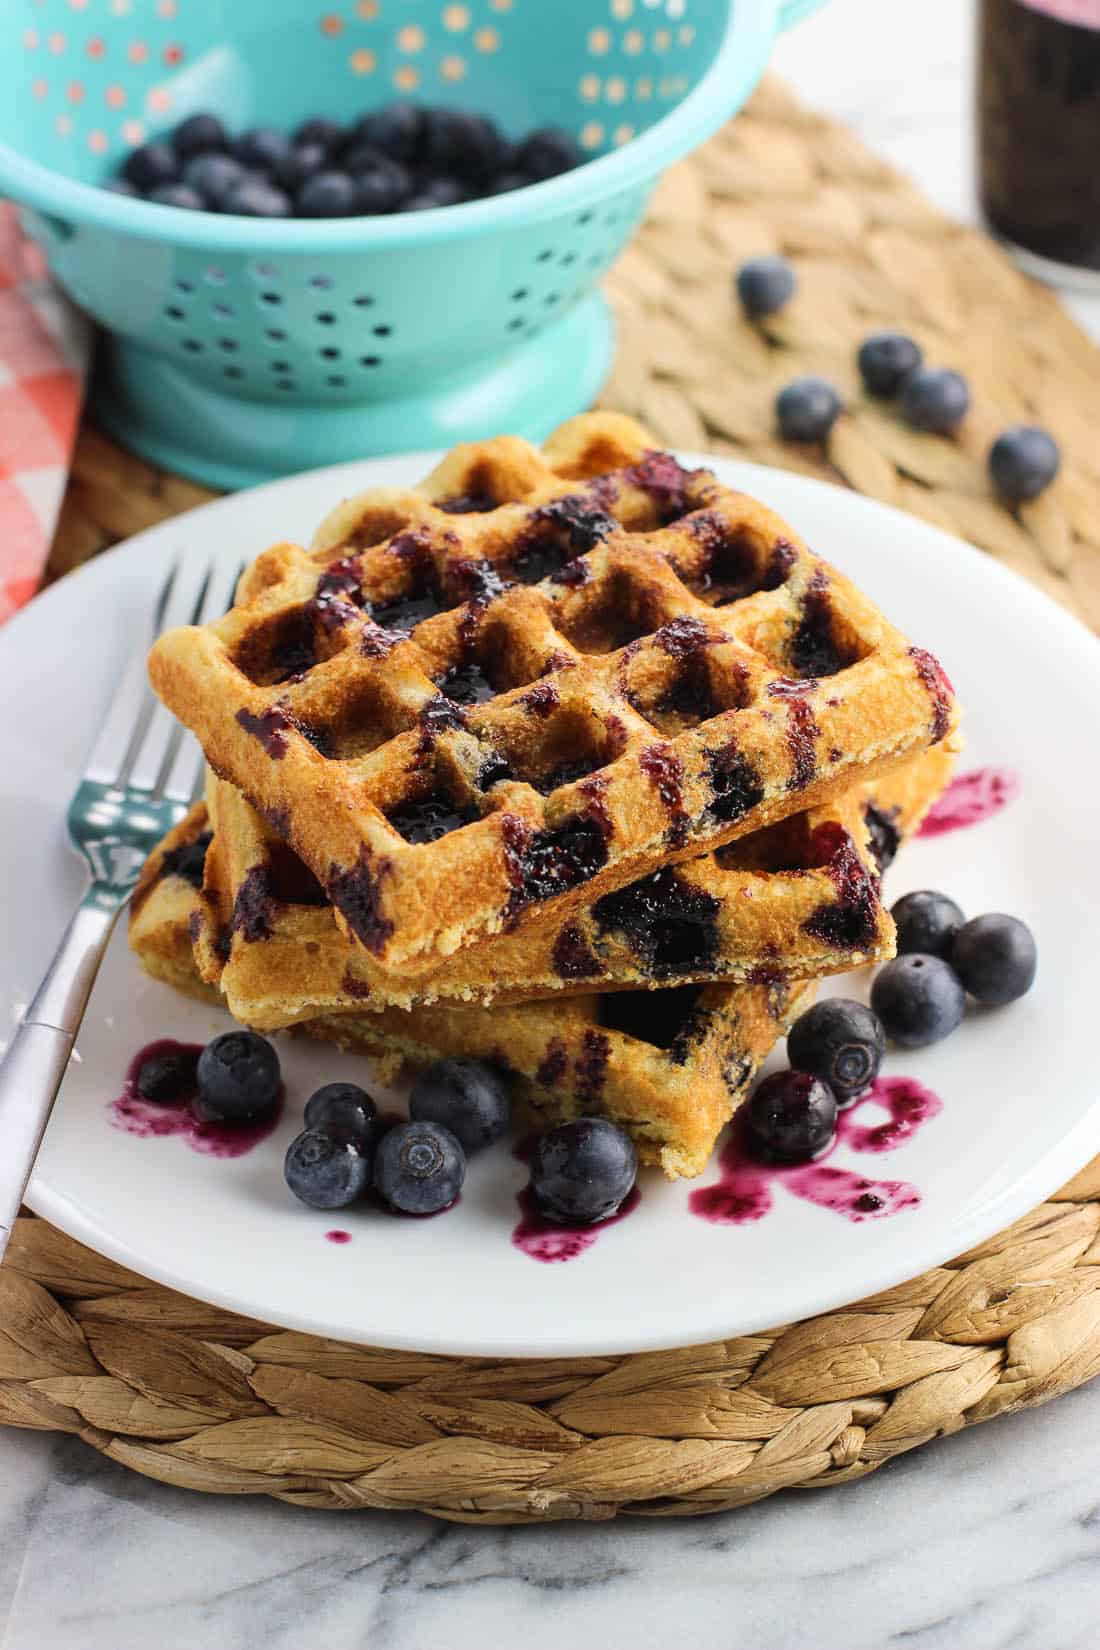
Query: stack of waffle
{"points": [[574, 760]]}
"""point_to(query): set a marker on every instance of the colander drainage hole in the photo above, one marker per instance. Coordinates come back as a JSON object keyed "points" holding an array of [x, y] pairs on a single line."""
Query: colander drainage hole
{"points": [[364, 301], [515, 324], [381, 332], [326, 317], [569, 258], [174, 313], [232, 372], [320, 283], [193, 345], [552, 298], [214, 275], [585, 217], [520, 294], [276, 334], [223, 312], [330, 355], [544, 257], [336, 381], [370, 360], [279, 366], [286, 384], [271, 297], [229, 345], [185, 286]]}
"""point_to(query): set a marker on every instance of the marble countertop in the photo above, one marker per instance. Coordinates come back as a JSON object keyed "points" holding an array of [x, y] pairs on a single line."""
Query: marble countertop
{"points": [[983, 1541]]}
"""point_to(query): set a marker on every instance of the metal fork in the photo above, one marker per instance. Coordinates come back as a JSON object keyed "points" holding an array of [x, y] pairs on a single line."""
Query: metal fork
{"points": [[143, 775]]}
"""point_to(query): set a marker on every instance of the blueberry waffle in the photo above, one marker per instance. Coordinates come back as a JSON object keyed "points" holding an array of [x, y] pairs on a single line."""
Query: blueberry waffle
{"points": [[669, 1066], [800, 899], [538, 677]]}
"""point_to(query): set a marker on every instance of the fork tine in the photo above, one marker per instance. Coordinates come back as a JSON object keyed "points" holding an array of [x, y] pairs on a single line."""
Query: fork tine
{"points": [[132, 705], [163, 763]]}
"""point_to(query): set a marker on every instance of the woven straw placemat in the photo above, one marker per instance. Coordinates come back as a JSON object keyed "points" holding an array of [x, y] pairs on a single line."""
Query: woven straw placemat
{"points": [[199, 1397]]}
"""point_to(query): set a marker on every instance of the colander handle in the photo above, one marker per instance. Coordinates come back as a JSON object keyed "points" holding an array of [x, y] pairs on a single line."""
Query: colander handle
{"points": [[46, 228], [793, 11]]}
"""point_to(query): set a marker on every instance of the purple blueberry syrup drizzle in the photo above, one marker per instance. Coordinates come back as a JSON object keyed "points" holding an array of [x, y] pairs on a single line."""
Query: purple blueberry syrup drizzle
{"points": [[743, 1193], [665, 772], [148, 1120], [544, 1240], [338, 1237], [850, 924], [802, 729], [970, 799], [271, 728], [937, 684]]}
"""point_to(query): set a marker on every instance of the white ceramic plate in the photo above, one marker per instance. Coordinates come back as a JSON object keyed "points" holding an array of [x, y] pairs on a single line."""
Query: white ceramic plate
{"points": [[1021, 1097]]}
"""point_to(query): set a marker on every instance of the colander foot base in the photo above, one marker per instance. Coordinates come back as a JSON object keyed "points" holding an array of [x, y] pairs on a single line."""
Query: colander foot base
{"points": [[160, 411]]}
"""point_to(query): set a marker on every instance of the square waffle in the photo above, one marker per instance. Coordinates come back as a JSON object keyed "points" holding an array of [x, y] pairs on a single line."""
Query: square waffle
{"points": [[537, 677], [670, 1066], [801, 898]]}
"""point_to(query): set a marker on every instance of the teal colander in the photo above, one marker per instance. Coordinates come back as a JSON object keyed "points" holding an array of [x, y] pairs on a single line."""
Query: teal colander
{"points": [[239, 348]]}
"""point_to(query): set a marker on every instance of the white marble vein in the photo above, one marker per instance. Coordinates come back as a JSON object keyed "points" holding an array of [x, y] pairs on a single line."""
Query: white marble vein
{"points": [[986, 1541]]}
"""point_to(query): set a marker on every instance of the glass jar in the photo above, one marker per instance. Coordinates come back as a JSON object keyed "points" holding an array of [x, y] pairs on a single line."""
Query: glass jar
{"points": [[1039, 133]]}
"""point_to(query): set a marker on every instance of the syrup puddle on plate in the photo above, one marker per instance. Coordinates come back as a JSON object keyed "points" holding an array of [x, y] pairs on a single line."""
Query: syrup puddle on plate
{"points": [[148, 1119], [970, 799], [546, 1240], [744, 1192]]}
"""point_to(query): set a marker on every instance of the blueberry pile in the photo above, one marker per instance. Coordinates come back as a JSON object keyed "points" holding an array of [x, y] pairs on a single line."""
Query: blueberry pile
{"points": [[580, 1173], [837, 1047], [402, 158], [1023, 460]]}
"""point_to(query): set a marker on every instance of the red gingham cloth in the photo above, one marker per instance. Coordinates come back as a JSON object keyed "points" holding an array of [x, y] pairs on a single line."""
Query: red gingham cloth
{"points": [[44, 346]]}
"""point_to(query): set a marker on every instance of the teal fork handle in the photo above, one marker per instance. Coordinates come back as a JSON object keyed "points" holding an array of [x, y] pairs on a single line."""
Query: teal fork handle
{"points": [[34, 1065]]}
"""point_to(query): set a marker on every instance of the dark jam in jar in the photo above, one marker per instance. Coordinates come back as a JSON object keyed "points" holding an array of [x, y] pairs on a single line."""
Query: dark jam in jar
{"points": [[1039, 130]]}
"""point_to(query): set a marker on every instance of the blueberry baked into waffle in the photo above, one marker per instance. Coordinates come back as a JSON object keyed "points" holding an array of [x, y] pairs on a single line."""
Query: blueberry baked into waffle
{"points": [[669, 1066], [536, 678]]}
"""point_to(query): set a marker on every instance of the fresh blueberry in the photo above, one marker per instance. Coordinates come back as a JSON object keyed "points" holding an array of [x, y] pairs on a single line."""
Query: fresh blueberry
{"points": [[254, 198], [263, 148], [327, 195], [120, 186], [995, 958], [505, 182], [435, 192], [151, 164], [167, 1077], [326, 1172], [398, 129], [328, 134], [238, 1076], [926, 922], [582, 1171], [345, 1111], [467, 1096], [300, 162], [807, 409], [935, 399], [419, 1168], [792, 1116], [764, 285], [840, 1041], [885, 361], [177, 194], [919, 999], [197, 135], [214, 176], [547, 152], [463, 145], [1023, 462], [381, 184]]}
